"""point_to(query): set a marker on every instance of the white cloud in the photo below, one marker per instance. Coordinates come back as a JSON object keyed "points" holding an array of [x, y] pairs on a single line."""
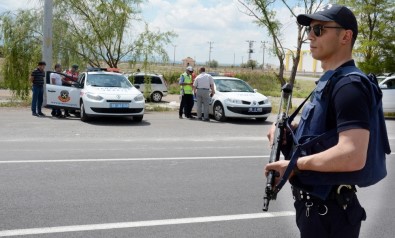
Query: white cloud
{"points": [[7, 5], [221, 22], [198, 22]]}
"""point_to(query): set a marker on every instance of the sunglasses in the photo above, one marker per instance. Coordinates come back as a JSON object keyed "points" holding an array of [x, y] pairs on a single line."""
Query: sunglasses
{"points": [[317, 29]]}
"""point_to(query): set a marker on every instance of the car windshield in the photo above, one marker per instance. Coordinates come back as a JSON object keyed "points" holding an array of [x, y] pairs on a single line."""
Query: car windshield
{"points": [[108, 80], [231, 85]]}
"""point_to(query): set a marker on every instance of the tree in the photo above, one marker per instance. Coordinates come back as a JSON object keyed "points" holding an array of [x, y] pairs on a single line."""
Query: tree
{"points": [[265, 15], [212, 64], [85, 32], [376, 35], [96, 31], [21, 48], [251, 64]]}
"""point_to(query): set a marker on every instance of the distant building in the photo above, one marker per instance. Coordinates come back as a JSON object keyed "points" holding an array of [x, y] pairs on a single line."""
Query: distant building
{"points": [[309, 65], [188, 61], [306, 62]]}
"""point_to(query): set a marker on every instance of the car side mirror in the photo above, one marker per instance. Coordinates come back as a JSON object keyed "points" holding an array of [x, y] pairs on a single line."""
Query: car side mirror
{"points": [[255, 90], [137, 86]]}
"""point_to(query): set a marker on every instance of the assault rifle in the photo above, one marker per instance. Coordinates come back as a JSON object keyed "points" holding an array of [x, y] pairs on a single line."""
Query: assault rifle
{"points": [[281, 125]]}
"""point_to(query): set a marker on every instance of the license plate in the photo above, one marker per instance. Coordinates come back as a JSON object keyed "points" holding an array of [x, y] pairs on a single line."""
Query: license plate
{"points": [[119, 105], [254, 109]]}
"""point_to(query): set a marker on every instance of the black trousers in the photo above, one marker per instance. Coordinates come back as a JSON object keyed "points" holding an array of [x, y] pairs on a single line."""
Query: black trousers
{"points": [[186, 105], [327, 219]]}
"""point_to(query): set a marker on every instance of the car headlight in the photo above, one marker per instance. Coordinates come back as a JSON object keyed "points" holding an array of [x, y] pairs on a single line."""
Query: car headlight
{"points": [[139, 97], [94, 97], [232, 101], [266, 101]]}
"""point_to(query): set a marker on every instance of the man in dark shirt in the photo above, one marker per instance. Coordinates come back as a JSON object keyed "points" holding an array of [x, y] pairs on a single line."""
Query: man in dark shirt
{"points": [[37, 80], [332, 32]]}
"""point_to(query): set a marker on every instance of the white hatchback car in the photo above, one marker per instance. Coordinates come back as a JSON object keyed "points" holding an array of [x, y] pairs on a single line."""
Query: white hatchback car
{"points": [[234, 98], [388, 88], [157, 88], [97, 93]]}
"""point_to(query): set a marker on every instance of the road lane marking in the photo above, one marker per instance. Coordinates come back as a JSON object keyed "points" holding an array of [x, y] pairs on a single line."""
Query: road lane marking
{"points": [[133, 159], [108, 226]]}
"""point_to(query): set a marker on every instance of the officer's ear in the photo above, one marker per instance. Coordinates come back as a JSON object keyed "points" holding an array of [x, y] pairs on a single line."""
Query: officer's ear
{"points": [[346, 37]]}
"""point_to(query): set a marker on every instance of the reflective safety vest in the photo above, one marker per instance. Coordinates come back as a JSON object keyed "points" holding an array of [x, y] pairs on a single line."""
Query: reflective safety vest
{"points": [[313, 124], [186, 89]]}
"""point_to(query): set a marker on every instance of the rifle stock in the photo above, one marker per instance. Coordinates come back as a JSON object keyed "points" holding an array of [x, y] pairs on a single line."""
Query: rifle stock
{"points": [[282, 120]]}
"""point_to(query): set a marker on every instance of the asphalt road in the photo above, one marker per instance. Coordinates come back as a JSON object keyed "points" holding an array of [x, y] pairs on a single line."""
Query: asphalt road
{"points": [[164, 177]]}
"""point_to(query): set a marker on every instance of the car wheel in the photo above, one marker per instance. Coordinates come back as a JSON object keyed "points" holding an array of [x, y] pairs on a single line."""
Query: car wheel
{"points": [[219, 113], [261, 119], [83, 115], [137, 118], [156, 96]]}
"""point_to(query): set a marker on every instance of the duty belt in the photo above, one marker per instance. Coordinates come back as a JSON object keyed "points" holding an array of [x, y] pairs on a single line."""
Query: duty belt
{"points": [[342, 194]]}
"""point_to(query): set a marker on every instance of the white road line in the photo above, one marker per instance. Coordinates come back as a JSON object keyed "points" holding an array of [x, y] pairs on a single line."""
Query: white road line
{"points": [[107, 226], [132, 159]]}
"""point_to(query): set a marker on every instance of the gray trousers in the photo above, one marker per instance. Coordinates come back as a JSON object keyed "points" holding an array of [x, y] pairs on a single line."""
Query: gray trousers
{"points": [[203, 99]]}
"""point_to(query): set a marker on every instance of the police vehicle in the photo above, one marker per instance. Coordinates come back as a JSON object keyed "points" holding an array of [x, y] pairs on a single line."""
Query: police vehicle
{"points": [[97, 92]]}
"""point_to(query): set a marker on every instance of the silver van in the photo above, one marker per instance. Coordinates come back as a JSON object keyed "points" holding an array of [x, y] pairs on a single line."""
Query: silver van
{"points": [[158, 84]]}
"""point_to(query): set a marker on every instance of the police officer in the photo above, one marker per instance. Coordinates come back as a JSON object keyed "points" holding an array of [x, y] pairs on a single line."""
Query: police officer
{"points": [[186, 91], [324, 177]]}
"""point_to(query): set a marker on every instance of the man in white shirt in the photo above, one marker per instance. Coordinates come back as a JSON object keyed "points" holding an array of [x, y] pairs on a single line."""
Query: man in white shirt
{"points": [[56, 79], [201, 88]]}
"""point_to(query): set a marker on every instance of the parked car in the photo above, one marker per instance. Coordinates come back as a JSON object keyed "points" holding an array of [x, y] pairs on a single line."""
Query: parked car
{"points": [[388, 88], [234, 98], [97, 93], [158, 84]]}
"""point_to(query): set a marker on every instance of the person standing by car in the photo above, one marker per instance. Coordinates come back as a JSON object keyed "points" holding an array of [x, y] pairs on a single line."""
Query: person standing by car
{"points": [[37, 80], [56, 79], [201, 88], [68, 81], [186, 103], [346, 107], [73, 73]]}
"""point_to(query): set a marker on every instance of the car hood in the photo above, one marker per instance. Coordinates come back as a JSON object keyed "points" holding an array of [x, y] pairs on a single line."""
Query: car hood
{"points": [[112, 90], [242, 95]]}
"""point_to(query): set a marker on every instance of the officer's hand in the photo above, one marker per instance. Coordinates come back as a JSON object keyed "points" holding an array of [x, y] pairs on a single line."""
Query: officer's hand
{"points": [[278, 166]]}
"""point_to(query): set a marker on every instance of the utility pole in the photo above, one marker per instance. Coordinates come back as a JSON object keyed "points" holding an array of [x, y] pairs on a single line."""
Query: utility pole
{"points": [[47, 34], [209, 53], [263, 54], [174, 55], [250, 50]]}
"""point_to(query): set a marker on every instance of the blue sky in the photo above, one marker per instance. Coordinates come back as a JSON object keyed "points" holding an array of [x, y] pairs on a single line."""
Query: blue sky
{"points": [[197, 22]]}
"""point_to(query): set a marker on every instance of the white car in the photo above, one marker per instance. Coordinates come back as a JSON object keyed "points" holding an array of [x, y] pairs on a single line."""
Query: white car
{"points": [[234, 98], [388, 88], [157, 88], [97, 93]]}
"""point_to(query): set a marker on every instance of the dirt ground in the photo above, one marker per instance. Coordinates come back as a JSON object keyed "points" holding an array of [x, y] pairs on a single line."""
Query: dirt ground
{"points": [[5, 94]]}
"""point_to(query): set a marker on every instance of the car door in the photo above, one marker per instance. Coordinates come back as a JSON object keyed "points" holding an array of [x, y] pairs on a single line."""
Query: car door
{"points": [[389, 95], [59, 96]]}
